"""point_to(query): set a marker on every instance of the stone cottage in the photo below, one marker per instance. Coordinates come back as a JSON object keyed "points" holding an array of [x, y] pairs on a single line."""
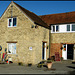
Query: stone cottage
{"points": [[24, 35], [62, 36]]}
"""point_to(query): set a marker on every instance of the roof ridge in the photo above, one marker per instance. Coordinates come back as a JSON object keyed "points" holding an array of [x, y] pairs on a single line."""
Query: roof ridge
{"points": [[32, 16], [56, 13]]}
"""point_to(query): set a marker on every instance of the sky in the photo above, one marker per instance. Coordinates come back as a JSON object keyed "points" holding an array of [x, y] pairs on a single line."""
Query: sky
{"points": [[42, 7]]}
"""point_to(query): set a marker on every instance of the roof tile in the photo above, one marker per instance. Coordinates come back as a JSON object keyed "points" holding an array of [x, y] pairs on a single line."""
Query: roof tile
{"points": [[60, 18]]}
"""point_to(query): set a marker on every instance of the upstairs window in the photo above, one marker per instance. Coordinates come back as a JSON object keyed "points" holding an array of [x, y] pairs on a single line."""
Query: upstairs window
{"points": [[12, 22], [55, 28], [73, 27], [68, 27]]}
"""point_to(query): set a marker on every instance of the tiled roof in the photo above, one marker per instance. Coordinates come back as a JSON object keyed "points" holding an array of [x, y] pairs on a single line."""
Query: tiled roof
{"points": [[60, 18], [32, 16]]}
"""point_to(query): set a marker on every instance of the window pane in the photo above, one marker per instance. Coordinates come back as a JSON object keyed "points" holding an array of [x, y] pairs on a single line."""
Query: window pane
{"points": [[13, 48], [73, 27], [57, 28], [9, 48], [53, 28], [10, 22], [14, 21], [68, 27]]}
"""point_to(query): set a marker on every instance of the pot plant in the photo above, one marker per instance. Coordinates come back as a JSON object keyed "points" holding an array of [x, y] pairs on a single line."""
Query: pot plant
{"points": [[49, 63]]}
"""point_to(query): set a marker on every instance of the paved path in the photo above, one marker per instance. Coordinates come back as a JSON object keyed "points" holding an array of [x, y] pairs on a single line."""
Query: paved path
{"points": [[62, 67]]}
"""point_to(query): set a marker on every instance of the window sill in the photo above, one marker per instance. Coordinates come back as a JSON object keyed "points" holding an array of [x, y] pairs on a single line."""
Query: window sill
{"points": [[10, 53], [64, 32], [11, 26]]}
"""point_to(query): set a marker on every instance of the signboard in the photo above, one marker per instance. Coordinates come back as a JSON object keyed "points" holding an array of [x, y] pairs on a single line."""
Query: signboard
{"points": [[30, 48], [57, 57]]}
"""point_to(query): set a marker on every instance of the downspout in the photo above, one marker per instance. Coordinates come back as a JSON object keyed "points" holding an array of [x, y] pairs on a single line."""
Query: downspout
{"points": [[49, 40]]}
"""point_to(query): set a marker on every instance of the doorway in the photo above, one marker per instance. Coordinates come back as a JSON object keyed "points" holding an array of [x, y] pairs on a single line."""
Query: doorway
{"points": [[67, 51], [44, 50], [70, 51]]}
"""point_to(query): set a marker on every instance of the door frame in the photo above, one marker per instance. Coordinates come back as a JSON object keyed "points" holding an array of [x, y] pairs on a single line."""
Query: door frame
{"points": [[44, 46], [66, 49], [64, 52]]}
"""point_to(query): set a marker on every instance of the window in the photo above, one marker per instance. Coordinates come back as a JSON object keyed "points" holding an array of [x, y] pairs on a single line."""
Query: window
{"points": [[11, 22], [73, 27], [55, 28], [14, 21], [12, 48], [68, 27]]}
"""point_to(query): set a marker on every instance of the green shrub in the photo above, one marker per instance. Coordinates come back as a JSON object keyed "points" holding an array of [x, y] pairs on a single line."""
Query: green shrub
{"points": [[29, 64], [40, 64], [20, 63]]}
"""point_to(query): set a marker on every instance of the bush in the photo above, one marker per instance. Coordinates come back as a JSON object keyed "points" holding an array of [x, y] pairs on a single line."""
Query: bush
{"points": [[61, 58], [20, 63], [53, 58], [40, 64], [29, 64], [49, 59]]}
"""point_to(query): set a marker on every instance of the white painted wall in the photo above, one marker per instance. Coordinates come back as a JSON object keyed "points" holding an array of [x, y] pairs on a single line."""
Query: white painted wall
{"points": [[62, 28]]}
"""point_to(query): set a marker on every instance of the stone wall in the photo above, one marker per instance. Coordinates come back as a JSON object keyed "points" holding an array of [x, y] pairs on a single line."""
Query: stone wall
{"points": [[24, 35]]}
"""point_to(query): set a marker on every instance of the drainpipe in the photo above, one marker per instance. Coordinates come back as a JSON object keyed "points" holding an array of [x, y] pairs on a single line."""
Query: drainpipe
{"points": [[49, 40]]}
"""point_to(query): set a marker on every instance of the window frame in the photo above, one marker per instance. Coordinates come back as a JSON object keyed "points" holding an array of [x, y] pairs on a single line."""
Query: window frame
{"points": [[70, 27], [54, 29], [71, 24], [12, 22], [67, 28], [58, 28], [8, 48]]}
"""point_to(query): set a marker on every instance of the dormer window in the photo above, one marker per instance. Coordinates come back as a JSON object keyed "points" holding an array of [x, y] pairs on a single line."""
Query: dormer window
{"points": [[12, 22]]}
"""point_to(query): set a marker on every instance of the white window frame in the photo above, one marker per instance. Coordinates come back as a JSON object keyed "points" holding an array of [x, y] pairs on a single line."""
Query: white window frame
{"points": [[58, 28], [62, 31], [12, 22], [55, 29], [8, 47], [70, 28], [52, 28]]}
